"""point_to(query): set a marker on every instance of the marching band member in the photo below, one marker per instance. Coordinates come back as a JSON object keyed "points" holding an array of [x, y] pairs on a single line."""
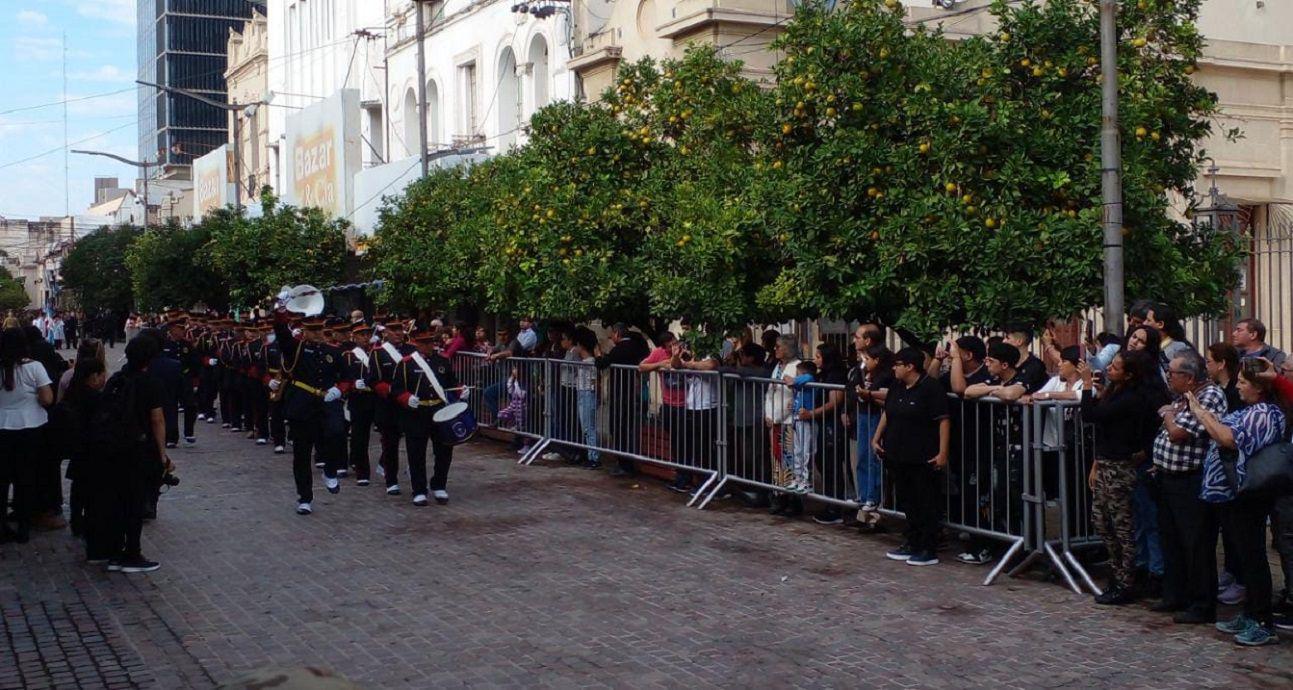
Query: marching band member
{"points": [[176, 346], [418, 397], [381, 375], [316, 370], [360, 399]]}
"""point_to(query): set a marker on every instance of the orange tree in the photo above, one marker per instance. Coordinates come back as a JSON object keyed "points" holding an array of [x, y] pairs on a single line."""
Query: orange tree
{"points": [[428, 245], [171, 267], [935, 183], [284, 246], [704, 254]]}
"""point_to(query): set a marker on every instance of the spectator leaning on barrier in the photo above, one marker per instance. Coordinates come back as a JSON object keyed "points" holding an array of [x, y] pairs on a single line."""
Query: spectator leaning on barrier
{"points": [[1124, 416], [1102, 350], [1187, 526], [1249, 337], [1236, 437], [1030, 370], [777, 417], [803, 430], [869, 383], [1005, 382], [628, 348], [1223, 370], [585, 347], [966, 354], [671, 400], [747, 445], [701, 403], [828, 414], [1282, 512], [913, 437]]}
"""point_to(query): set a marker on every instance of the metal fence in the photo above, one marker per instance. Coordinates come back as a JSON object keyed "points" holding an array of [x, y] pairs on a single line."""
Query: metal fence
{"points": [[1016, 475]]}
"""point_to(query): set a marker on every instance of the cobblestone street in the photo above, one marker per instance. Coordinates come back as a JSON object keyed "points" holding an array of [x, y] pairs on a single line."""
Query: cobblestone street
{"points": [[554, 577]]}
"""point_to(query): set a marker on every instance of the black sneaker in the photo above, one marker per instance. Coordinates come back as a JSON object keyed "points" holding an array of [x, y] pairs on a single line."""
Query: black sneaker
{"points": [[901, 553], [923, 558], [593, 465], [139, 564], [170, 444], [113, 566], [1284, 622]]}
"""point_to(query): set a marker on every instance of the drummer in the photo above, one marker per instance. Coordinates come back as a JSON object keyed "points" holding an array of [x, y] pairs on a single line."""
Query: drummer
{"points": [[417, 402]]}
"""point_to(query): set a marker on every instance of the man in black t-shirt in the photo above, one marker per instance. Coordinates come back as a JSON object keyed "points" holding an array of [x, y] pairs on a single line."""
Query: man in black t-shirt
{"points": [[1031, 371], [966, 355], [913, 437]]}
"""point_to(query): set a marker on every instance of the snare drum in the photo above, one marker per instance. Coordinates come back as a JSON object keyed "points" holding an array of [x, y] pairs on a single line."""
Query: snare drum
{"points": [[454, 424]]}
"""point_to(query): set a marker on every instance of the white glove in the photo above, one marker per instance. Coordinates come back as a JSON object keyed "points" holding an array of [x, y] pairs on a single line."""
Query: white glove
{"points": [[274, 384], [413, 402], [213, 361], [361, 385], [269, 339], [375, 339], [333, 393], [466, 393]]}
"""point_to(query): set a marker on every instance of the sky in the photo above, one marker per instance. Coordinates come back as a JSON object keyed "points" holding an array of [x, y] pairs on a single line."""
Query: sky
{"points": [[100, 60]]}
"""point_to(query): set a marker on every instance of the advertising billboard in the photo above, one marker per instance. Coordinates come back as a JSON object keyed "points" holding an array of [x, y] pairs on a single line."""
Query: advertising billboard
{"points": [[323, 154]]}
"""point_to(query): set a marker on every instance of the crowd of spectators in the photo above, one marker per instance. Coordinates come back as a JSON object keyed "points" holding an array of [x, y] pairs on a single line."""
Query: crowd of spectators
{"points": [[1173, 428]]}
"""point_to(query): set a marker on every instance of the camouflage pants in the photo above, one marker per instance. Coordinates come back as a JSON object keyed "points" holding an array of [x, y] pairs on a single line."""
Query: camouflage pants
{"points": [[1111, 511]]}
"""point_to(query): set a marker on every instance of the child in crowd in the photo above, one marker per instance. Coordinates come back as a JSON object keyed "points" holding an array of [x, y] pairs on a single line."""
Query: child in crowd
{"points": [[803, 444]]}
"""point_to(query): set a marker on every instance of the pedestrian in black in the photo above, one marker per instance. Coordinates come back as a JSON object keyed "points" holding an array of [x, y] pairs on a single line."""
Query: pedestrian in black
{"points": [[316, 368], [625, 393], [177, 347], [913, 438], [129, 429], [86, 467], [47, 502]]}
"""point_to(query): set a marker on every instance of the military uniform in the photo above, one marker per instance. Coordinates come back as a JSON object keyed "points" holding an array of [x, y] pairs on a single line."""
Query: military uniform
{"points": [[333, 449], [255, 396], [274, 370], [180, 350], [204, 347], [361, 401], [380, 377], [316, 369], [230, 394], [417, 402]]}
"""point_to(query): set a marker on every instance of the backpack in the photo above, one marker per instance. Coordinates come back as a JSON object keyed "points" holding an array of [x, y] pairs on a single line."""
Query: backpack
{"points": [[113, 429]]}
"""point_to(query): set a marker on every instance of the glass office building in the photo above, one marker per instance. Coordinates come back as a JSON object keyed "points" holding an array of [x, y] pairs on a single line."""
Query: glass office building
{"points": [[182, 43]]}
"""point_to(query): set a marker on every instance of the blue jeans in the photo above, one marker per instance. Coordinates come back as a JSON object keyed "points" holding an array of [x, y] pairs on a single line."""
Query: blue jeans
{"points": [[869, 474], [588, 422], [1144, 507]]}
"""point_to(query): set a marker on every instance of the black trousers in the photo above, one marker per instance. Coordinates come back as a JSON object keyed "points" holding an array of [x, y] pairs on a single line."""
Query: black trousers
{"points": [[1187, 528], [919, 497], [277, 424], [18, 468], [126, 504], [255, 399], [306, 434], [1245, 520], [189, 399], [416, 445], [361, 428], [208, 388], [390, 460], [333, 444]]}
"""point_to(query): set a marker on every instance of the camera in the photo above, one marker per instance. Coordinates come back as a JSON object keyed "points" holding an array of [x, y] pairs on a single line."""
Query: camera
{"points": [[169, 479]]}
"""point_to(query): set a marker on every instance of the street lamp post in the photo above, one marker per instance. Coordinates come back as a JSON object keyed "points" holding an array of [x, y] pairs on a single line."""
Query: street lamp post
{"points": [[235, 108], [138, 164]]}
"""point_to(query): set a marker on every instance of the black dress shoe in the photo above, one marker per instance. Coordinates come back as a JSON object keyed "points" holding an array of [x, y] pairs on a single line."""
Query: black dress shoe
{"points": [[1116, 595], [1194, 617], [1166, 606]]}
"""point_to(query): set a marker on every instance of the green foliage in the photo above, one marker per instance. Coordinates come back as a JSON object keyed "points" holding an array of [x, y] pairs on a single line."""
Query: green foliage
{"points": [[13, 296], [938, 183], [284, 246], [170, 266], [96, 269], [890, 172]]}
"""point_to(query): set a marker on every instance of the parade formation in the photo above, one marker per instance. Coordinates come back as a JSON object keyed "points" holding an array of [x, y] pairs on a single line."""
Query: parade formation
{"points": [[320, 385]]}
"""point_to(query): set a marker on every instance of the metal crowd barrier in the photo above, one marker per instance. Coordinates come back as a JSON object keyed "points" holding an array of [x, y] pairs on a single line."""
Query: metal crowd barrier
{"points": [[1016, 475]]}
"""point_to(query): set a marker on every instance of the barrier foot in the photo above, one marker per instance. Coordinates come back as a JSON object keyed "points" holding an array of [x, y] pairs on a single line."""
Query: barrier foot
{"points": [[1086, 577], [1025, 564], [1058, 563], [712, 494], [1005, 558], [701, 491], [535, 450]]}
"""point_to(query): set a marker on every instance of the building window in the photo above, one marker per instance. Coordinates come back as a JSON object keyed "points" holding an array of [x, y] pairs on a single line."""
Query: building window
{"points": [[469, 124]]}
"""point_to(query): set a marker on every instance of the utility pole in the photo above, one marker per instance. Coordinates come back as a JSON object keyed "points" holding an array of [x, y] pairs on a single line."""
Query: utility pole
{"points": [[237, 155], [1111, 169], [422, 88], [67, 204]]}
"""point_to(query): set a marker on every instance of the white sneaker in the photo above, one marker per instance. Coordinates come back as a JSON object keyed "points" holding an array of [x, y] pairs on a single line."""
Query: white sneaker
{"points": [[523, 451], [201, 417], [332, 484], [393, 490], [304, 508], [279, 450], [441, 496], [262, 442], [420, 500]]}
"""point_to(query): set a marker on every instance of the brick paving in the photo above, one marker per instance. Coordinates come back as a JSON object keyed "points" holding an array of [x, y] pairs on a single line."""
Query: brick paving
{"points": [[554, 577]]}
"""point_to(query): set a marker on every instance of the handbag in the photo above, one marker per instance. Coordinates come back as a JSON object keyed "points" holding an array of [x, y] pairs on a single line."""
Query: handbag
{"points": [[1268, 472]]}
